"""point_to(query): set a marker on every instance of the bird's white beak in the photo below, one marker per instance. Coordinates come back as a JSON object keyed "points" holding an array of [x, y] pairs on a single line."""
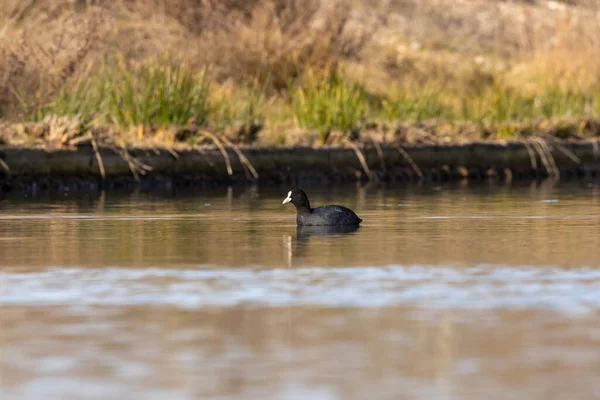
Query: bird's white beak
{"points": [[288, 198]]}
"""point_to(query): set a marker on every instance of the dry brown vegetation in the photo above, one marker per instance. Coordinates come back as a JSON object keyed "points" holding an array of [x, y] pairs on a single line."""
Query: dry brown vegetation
{"points": [[475, 63]]}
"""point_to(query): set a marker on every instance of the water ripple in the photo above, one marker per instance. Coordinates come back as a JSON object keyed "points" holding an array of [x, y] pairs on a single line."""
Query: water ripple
{"points": [[571, 291]]}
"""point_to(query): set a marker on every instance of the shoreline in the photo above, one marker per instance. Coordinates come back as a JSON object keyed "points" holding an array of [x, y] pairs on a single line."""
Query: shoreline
{"points": [[23, 167]]}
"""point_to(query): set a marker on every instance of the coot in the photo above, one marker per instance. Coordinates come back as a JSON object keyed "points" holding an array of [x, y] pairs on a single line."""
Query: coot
{"points": [[324, 215]]}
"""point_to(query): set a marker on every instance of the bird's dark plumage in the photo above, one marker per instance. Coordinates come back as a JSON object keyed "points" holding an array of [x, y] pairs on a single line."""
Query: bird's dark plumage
{"points": [[320, 216]]}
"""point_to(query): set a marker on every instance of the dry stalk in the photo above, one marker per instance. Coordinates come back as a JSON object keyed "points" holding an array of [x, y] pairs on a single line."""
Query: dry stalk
{"points": [[361, 159], [136, 167], [550, 157], [546, 157], [408, 159], [201, 151], [221, 148], [241, 156], [424, 134], [173, 152], [531, 151], [131, 166], [564, 150], [98, 157], [379, 153], [540, 152], [4, 165]]}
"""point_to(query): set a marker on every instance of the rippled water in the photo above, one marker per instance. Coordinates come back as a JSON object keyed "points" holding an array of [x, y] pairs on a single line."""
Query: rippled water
{"points": [[443, 293]]}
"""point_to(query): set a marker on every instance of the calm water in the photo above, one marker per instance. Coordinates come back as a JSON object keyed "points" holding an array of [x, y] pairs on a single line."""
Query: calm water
{"points": [[443, 293]]}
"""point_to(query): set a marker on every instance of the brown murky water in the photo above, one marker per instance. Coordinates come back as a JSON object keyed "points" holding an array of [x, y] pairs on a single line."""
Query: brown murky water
{"points": [[443, 293]]}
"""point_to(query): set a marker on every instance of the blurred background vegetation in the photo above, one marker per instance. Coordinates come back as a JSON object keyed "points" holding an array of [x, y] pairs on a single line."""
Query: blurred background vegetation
{"points": [[297, 71]]}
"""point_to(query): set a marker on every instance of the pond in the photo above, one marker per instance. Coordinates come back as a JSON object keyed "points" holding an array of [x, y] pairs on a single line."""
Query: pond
{"points": [[444, 292]]}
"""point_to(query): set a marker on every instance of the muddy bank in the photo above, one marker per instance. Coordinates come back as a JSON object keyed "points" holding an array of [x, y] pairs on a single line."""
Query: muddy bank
{"points": [[112, 167]]}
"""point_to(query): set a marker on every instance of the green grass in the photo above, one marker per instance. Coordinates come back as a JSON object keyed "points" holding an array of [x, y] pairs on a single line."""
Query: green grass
{"points": [[162, 93], [329, 103], [498, 104], [495, 104], [240, 106], [557, 103], [84, 98], [410, 106], [157, 93]]}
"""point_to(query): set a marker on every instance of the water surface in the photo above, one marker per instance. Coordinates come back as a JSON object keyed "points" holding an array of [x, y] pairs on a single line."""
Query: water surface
{"points": [[444, 293]]}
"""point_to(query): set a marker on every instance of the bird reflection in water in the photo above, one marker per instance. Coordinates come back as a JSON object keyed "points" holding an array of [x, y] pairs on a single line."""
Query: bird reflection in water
{"points": [[304, 232], [294, 251]]}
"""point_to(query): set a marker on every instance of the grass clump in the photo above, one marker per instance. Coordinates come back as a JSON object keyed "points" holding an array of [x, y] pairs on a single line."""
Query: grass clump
{"points": [[554, 102], [160, 93], [329, 103], [415, 106], [156, 92], [495, 104], [501, 104], [83, 98], [240, 112], [234, 105]]}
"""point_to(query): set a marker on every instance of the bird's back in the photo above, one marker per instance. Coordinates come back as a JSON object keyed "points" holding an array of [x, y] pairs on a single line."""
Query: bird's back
{"points": [[329, 215]]}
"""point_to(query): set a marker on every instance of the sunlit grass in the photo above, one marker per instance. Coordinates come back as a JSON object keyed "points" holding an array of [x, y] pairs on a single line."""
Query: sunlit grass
{"points": [[329, 102], [235, 105], [160, 93], [498, 104], [409, 105], [85, 97], [156, 92]]}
